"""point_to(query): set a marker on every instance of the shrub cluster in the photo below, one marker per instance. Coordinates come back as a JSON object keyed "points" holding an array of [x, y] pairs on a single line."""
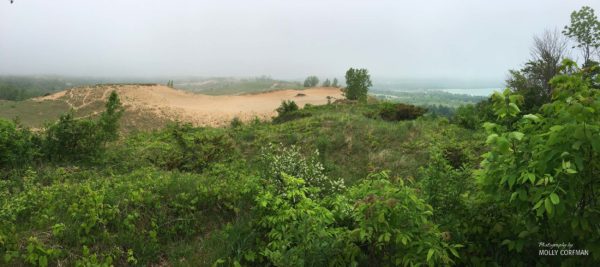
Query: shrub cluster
{"points": [[395, 111]]}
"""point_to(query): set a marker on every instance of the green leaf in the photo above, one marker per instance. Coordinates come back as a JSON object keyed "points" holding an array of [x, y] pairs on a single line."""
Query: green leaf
{"points": [[523, 234], [556, 128], [554, 198], [488, 126], [491, 138], [517, 135], [549, 207], [43, 261], [532, 117], [531, 177], [514, 108], [538, 204], [430, 254], [511, 181], [454, 252]]}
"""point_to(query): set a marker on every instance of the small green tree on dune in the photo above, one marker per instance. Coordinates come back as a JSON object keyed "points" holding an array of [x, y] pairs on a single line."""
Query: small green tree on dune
{"points": [[326, 83], [335, 83], [109, 119], [358, 82], [311, 81]]}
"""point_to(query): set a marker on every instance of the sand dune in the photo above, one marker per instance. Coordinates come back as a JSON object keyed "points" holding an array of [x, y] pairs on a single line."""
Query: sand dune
{"points": [[198, 109]]}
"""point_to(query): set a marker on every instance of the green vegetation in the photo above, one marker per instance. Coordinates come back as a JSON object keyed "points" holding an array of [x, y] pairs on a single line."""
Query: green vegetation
{"points": [[428, 98], [585, 31], [344, 184], [358, 82], [311, 81], [230, 86]]}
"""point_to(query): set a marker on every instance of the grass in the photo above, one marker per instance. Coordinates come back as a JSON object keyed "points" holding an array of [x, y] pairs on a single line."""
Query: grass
{"points": [[352, 145], [231, 86], [32, 113]]}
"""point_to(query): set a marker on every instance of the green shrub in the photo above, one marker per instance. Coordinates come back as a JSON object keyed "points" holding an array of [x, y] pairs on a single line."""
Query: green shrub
{"points": [[546, 165], [393, 226], [397, 111], [288, 110], [18, 146], [129, 219], [444, 186], [187, 149], [286, 106], [279, 160], [467, 116], [71, 139], [236, 122], [376, 223]]}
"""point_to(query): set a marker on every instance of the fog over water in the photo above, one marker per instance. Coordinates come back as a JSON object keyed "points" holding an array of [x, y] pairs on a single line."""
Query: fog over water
{"points": [[454, 42]]}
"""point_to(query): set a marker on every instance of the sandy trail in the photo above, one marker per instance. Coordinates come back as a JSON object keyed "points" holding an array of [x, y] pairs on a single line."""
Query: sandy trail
{"points": [[198, 109]]}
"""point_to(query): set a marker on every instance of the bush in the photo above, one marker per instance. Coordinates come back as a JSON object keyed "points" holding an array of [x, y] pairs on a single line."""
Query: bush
{"points": [[399, 111], [287, 111], [83, 139], [467, 117], [377, 223], [129, 219], [18, 146], [443, 186], [392, 226], [546, 165], [187, 149], [72, 139], [236, 122], [279, 160], [287, 106]]}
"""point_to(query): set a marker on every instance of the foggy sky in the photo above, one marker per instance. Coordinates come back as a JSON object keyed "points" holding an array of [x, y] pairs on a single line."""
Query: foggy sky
{"points": [[285, 39]]}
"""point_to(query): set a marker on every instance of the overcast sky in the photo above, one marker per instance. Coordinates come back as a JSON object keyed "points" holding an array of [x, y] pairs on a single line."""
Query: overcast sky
{"points": [[285, 39]]}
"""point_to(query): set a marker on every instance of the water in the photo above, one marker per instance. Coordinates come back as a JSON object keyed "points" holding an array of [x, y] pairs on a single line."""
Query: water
{"points": [[473, 91]]}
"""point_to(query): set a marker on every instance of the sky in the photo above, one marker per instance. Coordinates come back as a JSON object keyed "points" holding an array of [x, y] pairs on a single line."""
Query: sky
{"points": [[441, 39]]}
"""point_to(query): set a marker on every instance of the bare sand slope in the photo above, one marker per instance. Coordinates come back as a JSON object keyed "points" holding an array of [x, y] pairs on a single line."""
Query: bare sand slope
{"points": [[198, 109]]}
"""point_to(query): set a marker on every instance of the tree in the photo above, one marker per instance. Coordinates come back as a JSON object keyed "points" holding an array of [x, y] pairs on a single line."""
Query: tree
{"points": [[18, 146], [170, 83], [109, 119], [585, 30], [533, 80], [326, 83], [311, 81], [335, 83], [358, 82]]}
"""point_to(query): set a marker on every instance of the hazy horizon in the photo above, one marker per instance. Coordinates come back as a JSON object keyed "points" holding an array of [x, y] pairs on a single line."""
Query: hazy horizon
{"points": [[470, 41]]}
